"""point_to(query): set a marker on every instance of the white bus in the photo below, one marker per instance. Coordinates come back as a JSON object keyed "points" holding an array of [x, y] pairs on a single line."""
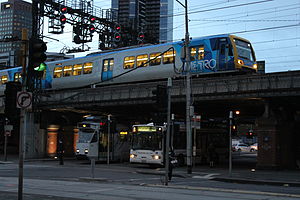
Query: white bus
{"points": [[147, 144], [93, 138]]}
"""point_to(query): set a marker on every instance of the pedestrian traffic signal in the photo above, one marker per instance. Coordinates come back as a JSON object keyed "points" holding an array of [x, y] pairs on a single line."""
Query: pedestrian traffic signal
{"points": [[37, 54]]}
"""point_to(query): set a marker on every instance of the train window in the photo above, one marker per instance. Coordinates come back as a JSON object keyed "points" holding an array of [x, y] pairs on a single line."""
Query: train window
{"points": [[4, 79], [108, 65], [155, 59], [128, 62], [87, 68], [168, 57], [77, 69], [17, 77], [141, 60], [67, 70], [57, 72], [193, 53], [201, 53]]}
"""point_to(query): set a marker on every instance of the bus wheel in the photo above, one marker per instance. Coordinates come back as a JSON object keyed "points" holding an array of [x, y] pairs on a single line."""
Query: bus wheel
{"points": [[180, 159]]}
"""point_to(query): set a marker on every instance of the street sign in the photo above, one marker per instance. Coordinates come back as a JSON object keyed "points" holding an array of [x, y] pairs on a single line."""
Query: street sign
{"points": [[196, 121], [24, 100], [7, 130]]}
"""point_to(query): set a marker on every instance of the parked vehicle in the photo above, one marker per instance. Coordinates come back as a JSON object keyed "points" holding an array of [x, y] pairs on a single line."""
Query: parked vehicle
{"points": [[253, 147], [241, 147]]}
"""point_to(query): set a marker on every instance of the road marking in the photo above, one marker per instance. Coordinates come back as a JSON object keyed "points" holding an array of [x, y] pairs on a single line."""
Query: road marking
{"points": [[207, 176]]}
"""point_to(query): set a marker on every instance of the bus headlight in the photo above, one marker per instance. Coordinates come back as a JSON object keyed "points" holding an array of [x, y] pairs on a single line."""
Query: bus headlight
{"points": [[155, 157], [133, 155], [77, 150], [255, 66], [86, 151], [241, 62]]}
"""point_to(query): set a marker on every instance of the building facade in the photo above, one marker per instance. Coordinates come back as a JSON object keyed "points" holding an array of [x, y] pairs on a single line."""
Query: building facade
{"points": [[153, 18], [14, 15]]}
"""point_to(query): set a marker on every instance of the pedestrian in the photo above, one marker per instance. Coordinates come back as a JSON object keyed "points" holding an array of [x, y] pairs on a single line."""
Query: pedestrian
{"points": [[60, 150], [211, 154], [172, 163]]}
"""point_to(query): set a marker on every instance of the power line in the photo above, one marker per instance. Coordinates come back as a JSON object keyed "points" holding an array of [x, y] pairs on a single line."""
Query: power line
{"points": [[247, 20]]}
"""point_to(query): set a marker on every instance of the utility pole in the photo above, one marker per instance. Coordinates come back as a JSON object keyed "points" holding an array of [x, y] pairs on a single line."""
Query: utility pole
{"points": [[230, 142], [167, 153], [188, 91]]}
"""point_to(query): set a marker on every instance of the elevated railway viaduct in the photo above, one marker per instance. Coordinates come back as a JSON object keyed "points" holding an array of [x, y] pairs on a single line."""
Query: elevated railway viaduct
{"points": [[271, 101]]}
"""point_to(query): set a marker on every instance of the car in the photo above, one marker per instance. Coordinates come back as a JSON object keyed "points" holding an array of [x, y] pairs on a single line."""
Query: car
{"points": [[241, 147], [253, 147]]}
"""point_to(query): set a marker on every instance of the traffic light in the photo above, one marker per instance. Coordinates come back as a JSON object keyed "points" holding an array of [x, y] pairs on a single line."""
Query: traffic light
{"points": [[161, 97], [117, 33], [141, 37], [62, 19], [92, 28], [37, 53], [92, 19], [250, 134], [10, 110], [63, 9]]}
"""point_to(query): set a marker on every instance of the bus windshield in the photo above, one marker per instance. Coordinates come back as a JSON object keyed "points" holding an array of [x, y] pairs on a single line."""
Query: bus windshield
{"points": [[147, 140], [85, 136], [244, 49]]}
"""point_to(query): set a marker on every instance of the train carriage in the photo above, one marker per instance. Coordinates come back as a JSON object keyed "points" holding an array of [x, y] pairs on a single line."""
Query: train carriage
{"points": [[211, 54]]}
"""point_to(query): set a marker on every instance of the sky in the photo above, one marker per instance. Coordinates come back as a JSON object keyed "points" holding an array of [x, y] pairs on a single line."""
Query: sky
{"points": [[272, 26]]}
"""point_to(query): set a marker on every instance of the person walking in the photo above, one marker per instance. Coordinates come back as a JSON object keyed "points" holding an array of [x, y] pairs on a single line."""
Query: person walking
{"points": [[211, 154], [60, 149]]}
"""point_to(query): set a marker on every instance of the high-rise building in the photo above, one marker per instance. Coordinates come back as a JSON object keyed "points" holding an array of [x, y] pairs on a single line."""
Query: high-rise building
{"points": [[151, 17], [14, 15]]}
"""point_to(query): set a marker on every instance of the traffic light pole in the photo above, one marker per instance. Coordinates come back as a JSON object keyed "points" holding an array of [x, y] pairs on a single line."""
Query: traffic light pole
{"points": [[22, 115]]}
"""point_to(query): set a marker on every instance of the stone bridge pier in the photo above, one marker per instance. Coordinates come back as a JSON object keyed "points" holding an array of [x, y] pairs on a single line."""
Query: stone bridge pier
{"points": [[278, 131]]}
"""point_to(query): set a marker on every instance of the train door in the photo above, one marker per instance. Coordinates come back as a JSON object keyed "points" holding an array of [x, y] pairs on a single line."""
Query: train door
{"points": [[223, 54], [107, 69]]}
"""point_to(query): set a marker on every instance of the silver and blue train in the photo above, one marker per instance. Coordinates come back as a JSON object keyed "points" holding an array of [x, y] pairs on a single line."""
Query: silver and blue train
{"points": [[211, 54]]}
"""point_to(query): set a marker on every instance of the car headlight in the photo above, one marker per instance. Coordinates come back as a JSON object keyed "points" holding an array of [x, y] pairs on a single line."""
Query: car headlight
{"points": [[86, 151], [133, 155], [155, 157], [77, 150]]}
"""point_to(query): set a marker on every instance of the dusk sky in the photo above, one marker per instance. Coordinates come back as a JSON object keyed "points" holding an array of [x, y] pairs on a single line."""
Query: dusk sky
{"points": [[272, 26]]}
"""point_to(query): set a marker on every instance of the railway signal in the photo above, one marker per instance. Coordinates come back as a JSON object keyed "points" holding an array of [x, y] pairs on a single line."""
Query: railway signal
{"points": [[62, 19]]}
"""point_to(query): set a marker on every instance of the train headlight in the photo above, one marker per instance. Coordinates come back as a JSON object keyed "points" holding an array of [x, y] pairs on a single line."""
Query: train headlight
{"points": [[255, 66], [133, 155], [241, 62], [77, 150], [155, 157], [86, 151]]}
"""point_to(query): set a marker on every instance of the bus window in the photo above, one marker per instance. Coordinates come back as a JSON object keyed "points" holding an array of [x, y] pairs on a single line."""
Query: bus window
{"points": [[57, 72], [141, 60], [128, 62], [17, 77], [193, 53], [67, 71], [155, 59], [87, 68], [201, 53], [77, 69], [168, 57]]}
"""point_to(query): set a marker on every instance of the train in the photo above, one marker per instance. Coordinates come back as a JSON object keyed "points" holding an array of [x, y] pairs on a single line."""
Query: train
{"points": [[211, 54]]}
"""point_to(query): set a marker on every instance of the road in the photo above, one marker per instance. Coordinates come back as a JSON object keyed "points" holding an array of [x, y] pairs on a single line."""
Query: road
{"points": [[48, 180]]}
